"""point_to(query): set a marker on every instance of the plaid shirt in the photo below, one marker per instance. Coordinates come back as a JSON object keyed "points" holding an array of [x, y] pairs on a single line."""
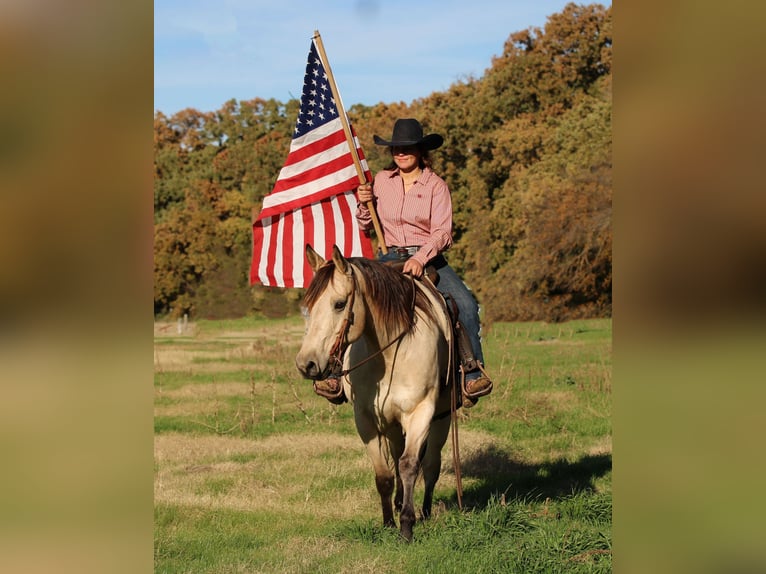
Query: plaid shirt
{"points": [[422, 216]]}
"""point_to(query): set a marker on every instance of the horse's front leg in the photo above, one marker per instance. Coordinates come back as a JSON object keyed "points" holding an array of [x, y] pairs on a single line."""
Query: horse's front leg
{"points": [[385, 485], [432, 460], [396, 446], [377, 451], [416, 431], [384, 477]]}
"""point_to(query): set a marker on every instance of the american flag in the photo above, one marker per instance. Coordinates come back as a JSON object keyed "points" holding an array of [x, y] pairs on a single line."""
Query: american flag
{"points": [[313, 199]]}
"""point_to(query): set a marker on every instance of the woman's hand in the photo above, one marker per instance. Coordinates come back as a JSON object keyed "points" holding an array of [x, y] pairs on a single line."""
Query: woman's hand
{"points": [[413, 267], [364, 192]]}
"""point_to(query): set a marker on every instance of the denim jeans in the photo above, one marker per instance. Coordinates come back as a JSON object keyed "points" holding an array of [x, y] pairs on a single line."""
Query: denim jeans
{"points": [[449, 283]]}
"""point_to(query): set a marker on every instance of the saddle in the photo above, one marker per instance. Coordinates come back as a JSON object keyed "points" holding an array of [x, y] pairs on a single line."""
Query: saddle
{"points": [[332, 387], [462, 343]]}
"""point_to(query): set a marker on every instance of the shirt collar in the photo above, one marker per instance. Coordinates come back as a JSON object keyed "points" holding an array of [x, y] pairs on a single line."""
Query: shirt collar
{"points": [[422, 177]]}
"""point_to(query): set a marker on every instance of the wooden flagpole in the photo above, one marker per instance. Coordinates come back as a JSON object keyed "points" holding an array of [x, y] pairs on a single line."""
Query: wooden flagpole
{"points": [[349, 139]]}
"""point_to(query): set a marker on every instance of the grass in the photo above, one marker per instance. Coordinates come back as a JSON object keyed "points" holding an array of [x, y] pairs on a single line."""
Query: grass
{"points": [[255, 473]]}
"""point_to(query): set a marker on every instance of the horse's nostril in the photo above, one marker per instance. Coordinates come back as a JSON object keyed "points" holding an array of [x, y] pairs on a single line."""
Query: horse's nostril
{"points": [[308, 369]]}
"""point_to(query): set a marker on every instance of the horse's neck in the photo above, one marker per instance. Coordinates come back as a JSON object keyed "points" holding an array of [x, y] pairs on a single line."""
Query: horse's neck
{"points": [[375, 334]]}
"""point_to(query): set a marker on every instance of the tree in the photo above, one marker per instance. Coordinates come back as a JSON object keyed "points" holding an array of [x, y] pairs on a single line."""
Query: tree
{"points": [[527, 157]]}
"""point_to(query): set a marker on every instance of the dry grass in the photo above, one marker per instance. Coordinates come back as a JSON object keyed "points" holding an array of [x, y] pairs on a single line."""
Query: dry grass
{"points": [[243, 448], [282, 473], [243, 474]]}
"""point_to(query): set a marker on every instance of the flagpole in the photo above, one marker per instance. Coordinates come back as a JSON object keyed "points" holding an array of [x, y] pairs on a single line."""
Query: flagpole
{"points": [[349, 138]]}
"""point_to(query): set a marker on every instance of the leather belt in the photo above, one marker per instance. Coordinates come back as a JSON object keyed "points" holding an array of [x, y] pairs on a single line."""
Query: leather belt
{"points": [[404, 252]]}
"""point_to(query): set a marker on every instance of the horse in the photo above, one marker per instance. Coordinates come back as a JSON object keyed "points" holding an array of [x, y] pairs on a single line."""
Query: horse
{"points": [[388, 337]]}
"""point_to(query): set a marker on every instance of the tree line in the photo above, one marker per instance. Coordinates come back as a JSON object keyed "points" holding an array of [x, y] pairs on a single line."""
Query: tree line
{"points": [[527, 157]]}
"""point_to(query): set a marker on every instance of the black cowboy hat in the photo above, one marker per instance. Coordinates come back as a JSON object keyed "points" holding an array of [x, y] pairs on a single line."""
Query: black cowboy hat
{"points": [[410, 132]]}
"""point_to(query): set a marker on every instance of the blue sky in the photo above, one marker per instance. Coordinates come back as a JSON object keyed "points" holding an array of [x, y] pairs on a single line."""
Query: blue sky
{"points": [[207, 52]]}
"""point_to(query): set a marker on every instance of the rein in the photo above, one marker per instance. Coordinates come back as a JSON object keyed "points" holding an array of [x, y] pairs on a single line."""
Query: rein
{"points": [[453, 413], [341, 342]]}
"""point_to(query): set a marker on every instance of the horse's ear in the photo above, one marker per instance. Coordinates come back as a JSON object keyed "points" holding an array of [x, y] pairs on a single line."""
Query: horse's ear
{"points": [[315, 260], [340, 262]]}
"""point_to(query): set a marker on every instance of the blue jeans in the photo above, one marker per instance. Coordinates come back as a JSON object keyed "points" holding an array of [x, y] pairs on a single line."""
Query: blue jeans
{"points": [[450, 283]]}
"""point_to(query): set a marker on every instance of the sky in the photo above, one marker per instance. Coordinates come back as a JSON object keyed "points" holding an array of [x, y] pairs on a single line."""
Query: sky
{"points": [[207, 52]]}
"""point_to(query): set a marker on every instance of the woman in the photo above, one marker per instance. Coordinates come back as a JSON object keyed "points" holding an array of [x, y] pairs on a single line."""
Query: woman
{"points": [[414, 206]]}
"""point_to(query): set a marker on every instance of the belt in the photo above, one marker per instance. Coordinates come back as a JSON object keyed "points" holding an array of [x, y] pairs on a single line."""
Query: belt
{"points": [[403, 252]]}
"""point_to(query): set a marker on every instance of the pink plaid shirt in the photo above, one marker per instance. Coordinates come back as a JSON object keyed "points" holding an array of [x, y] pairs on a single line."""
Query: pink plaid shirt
{"points": [[422, 216]]}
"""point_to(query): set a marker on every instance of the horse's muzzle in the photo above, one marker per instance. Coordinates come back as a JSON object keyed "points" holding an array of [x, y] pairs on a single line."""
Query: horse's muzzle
{"points": [[311, 370]]}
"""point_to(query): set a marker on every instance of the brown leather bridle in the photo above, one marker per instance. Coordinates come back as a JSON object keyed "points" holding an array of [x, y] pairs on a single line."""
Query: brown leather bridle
{"points": [[341, 341]]}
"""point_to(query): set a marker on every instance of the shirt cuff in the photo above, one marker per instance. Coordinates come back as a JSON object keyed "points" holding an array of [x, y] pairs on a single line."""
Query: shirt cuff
{"points": [[422, 257]]}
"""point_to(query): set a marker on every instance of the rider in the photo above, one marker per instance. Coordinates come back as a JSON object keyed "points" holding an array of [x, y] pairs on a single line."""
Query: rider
{"points": [[415, 210]]}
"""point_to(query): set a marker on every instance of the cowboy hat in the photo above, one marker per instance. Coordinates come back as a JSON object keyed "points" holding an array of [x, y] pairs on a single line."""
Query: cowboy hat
{"points": [[410, 132]]}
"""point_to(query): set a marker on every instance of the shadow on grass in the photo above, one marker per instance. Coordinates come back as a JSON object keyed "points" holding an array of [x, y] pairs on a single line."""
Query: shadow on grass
{"points": [[496, 474], [499, 474]]}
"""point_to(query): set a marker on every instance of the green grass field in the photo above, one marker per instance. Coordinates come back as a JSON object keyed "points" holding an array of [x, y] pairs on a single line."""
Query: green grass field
{"points": [[255, 473]]}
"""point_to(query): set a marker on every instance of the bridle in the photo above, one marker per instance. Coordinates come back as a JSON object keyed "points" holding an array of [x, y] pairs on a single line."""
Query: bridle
{"points": [[341, 341]]}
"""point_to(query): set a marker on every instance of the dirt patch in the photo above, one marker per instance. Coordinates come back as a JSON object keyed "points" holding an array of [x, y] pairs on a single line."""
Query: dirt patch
{"points": [[272, 331], [175, 358], [174, 329]]}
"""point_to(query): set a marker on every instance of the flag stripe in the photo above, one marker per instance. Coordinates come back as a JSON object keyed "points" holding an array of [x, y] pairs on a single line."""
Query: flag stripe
{"points": [[312, 201], [332, 160], [331, 184], [321, 139], [287, 267]]}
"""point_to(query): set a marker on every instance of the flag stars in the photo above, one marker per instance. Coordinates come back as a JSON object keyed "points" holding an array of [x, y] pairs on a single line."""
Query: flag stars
{"points": [[318, 106]]}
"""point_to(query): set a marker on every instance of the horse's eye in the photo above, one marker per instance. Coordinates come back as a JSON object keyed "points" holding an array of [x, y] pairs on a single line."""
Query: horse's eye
{"points": [[340, 305]]}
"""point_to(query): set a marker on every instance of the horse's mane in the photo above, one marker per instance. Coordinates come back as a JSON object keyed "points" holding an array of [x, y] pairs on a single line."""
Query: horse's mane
{"points": [[389, 293]]}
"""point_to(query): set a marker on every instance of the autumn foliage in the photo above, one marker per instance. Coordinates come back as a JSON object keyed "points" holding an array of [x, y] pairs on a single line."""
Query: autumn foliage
{"points": [[527, 156]]}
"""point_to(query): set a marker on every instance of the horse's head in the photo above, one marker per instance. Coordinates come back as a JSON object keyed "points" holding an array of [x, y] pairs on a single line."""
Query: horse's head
{"points": [[334, 315]]}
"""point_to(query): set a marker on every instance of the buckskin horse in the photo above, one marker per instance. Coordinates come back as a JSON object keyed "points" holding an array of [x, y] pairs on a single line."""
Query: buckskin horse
{"points": [[386, 338]]}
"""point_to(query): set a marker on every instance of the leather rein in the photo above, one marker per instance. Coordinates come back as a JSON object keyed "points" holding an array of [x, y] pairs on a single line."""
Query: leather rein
{"points": [[341, 341]]}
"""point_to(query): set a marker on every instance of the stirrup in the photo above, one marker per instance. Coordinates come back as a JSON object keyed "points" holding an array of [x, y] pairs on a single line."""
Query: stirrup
{"points": [[483, 392]]}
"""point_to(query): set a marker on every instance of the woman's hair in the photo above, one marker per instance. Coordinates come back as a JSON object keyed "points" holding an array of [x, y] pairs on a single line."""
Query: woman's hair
{"points": [[425, 159]]}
